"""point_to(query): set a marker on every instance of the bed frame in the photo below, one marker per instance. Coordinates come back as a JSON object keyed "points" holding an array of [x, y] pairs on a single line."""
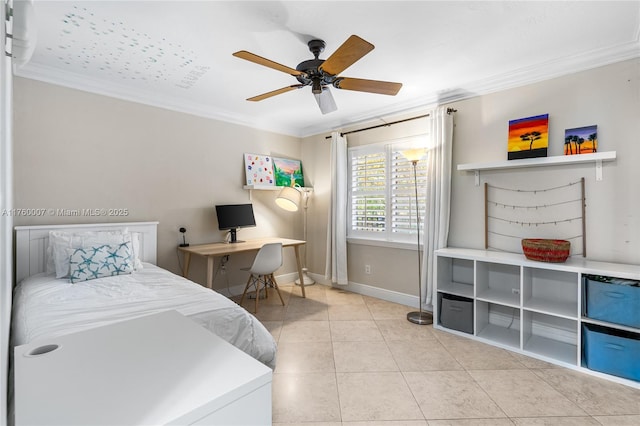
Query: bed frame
{"points": [[32, 242]]}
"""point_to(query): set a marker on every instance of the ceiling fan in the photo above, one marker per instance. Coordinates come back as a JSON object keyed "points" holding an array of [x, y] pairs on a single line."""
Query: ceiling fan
{"points": [[322, 73]]}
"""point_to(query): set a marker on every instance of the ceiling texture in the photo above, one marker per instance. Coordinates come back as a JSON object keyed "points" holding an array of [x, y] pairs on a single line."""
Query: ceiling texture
{"points": [[178, 54]]}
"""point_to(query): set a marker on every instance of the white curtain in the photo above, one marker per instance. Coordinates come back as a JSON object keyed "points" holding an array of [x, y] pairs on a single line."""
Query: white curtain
{"points": [[438, 194], [337, 222]]}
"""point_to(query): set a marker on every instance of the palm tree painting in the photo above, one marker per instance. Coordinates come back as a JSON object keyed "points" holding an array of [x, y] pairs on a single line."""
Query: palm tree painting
{"points": [[528, 137], [288, 172], [582, 140]]}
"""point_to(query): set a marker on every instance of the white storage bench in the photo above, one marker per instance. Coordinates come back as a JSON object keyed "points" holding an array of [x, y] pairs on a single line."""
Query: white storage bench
{"points": [[157, 369]]}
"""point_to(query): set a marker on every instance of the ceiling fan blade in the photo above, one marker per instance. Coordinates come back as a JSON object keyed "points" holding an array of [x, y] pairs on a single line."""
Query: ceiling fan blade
{"points": [[325, 101], [372, 86], [347, 54], [248, 56], [275, 92]]}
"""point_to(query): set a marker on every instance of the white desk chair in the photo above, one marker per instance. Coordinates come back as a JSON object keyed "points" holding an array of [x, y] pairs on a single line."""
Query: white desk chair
{"points": [[267, 261]]}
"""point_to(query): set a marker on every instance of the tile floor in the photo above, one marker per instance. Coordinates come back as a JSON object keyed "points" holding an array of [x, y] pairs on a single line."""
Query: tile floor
{"points": [[348, 359]]}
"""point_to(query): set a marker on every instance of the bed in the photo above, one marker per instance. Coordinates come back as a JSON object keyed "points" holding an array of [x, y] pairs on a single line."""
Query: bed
{"points": [[45, 306]]}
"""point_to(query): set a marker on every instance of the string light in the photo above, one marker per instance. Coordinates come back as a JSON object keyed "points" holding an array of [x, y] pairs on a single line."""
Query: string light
{"points": [[506, 226], [536, 190], [521, 223]]}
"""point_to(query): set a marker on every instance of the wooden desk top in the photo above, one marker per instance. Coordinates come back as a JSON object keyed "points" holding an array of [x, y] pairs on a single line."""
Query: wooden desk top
{"points": [[223, 248]]}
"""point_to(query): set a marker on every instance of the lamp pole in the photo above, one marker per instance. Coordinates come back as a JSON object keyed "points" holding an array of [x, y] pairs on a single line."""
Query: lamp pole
{"points": [[307, 279], [419, 317]]}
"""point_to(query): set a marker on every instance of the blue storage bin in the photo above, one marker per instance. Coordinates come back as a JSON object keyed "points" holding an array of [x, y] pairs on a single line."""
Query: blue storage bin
{"points": [[611, 351], [612, 302]]}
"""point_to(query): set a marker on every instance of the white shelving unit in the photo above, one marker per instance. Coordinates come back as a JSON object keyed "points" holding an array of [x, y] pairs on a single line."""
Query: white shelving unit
{"points": [[597, 158], [533, 308]]}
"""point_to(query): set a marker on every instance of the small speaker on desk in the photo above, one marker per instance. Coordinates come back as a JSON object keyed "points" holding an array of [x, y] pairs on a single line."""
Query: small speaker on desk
{"points": [[184, 240]]}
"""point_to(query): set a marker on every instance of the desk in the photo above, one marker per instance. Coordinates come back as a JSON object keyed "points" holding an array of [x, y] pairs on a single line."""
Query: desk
{"points": [[213, 250]]}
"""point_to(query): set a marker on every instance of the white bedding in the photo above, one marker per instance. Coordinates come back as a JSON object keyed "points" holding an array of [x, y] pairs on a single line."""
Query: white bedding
{"points": [[46, 307]]}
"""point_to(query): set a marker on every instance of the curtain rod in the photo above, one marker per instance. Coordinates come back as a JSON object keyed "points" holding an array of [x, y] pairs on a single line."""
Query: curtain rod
{"points": [[449, 111]]}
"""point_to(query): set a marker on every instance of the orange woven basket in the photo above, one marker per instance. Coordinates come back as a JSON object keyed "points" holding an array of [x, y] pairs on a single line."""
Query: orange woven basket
{"points": [[554, 251]]}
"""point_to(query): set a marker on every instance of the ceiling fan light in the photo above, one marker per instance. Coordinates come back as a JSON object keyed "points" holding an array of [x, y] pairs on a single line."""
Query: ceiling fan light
{"points": [[325, 101]]}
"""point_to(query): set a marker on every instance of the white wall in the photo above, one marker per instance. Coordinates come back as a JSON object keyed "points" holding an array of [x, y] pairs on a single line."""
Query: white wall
{"points": [[174, 167], [608, 97], [76, 150]]}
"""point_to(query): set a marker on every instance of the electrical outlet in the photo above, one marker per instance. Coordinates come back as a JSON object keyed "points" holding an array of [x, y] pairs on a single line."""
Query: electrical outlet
{"points": [[515, 291], [367, 269]]}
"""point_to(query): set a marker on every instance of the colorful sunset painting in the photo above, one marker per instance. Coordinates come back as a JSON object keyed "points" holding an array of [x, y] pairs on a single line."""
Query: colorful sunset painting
{"points": [[528, 137], [288, 172], [582, 140]]}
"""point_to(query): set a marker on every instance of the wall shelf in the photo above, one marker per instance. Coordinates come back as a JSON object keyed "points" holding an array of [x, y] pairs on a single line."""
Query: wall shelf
{"points": [[596, 157], [263, 187], [251, 188], [273, 188]]}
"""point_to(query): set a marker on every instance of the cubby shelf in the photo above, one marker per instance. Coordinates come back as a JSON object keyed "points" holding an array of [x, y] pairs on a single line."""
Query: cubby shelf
{"points": [[560, 351], [533, 308], [596, 157]]}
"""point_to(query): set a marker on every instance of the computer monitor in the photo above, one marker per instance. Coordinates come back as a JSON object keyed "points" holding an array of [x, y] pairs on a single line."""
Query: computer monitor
{"points": [[234, 216]]}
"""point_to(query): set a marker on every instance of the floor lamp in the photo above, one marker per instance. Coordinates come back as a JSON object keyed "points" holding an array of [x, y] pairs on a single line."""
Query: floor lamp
{"points": [[418, 317], [289, 200]]}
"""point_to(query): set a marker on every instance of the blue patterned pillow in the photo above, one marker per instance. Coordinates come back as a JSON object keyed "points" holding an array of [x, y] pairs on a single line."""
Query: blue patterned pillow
{"points": [[104, 260]]}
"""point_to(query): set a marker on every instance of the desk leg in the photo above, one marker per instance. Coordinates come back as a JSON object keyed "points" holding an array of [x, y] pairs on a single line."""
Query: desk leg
{"points": [[210, 271], [300, 274], [187, 261]]}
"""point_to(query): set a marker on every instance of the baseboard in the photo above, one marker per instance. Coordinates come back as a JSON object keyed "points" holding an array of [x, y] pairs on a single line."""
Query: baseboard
{"points": [[236, 290], [363, 289], [383, 294]]}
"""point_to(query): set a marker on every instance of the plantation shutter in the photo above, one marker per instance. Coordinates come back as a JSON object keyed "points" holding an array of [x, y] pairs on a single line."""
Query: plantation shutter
{"points": [[382, 192], [403, 194], [368, 185]]}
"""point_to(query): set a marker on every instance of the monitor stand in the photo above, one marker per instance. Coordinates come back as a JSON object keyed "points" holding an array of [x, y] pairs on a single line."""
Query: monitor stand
{"points": [[233, 239]]}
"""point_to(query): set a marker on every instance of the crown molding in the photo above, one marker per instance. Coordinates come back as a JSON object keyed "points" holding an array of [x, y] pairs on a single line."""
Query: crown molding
{"points": [[115, 90], [522, 76]]}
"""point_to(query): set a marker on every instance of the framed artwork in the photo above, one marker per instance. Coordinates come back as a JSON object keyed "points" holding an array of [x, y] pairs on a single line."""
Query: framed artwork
{"points": [[581, 140], [258, 169], [288, 172], [528, 137]]}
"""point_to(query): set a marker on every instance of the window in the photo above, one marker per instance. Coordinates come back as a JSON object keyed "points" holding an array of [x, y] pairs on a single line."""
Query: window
{"points": [[382, 192]]}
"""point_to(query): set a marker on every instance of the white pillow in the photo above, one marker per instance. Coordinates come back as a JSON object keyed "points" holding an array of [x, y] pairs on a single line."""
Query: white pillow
{"points": [[60, 241], [104, 260], [137, 263]]}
